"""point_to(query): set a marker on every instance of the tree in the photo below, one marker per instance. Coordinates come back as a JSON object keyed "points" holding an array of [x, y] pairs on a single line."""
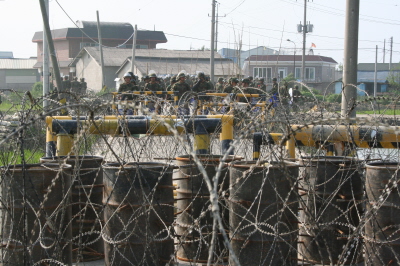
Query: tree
{"points": [[394, 78]]}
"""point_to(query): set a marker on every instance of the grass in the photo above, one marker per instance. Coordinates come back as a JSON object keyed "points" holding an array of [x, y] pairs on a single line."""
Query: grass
{"points": [[381, 112], [11, 157]]}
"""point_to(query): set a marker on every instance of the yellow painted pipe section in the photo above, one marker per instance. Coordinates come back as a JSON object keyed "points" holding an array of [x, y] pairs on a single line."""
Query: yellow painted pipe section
{"points": [[387, 135], [227, 126], [201, 142], [291, 147], [65, 142]]}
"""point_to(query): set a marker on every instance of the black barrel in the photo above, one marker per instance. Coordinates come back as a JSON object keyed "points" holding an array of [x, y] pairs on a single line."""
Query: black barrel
{"points": [[194, 221], [138, 214], [35, 213], [263, 212], [382, 234], [86, 201], [331, 191]]}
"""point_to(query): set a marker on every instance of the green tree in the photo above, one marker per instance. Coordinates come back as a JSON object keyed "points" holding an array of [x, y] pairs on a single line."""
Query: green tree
{"points": [[394, 78], [37, 89]]}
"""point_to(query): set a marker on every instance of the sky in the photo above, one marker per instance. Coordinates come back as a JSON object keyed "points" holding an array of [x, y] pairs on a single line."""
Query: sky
{"points": [[187, 24]]}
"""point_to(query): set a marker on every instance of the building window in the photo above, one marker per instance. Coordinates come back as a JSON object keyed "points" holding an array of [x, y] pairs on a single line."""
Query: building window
{"points": [[282, 72], [263, 72], [88, 44], [309, 73], [142, 46]]}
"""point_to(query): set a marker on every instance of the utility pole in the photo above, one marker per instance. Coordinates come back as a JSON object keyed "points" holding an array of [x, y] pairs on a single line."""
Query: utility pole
{"points": [[391, 51], [216, 28], [50, 43], [212, 42], [46, 67], [350, 58], [134, 49], [384, 50], [375, 73], [303, 57], [101, 51]]}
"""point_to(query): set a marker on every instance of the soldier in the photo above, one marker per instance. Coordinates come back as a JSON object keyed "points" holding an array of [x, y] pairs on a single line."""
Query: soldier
{"points": [[179, 88], [275, 87], [172, 82], [262, 88], [66, 84], [75, 86], [83, 86], [145, 80], [153, 86], [233, 82], [219, 86], [251, 82], [202, 85], [127, 87]]}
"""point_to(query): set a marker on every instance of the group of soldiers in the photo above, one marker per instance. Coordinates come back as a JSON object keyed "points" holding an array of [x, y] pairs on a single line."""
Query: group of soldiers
{"points": [[76, 87], [183, 83]]}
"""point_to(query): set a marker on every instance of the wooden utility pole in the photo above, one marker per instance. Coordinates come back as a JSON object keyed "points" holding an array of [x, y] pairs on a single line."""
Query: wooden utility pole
{"points": [[349, 95]]}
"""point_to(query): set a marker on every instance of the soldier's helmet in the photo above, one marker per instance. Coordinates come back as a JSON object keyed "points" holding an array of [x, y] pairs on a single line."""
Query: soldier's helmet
{"points": [[234, 80], [201, 75], [173, 79], [247, 81], [261, 79], [76, 78], [220, 79], [82, 79], [127, 75], [66, 77], [274, 79], [250, 78], [153, 75], [181, 75], [146, 77]]}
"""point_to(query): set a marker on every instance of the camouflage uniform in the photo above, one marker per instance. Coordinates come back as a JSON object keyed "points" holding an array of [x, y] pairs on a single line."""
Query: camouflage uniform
{"points": [[83, 86], [75, 86], [124, 87], [180, 88]]}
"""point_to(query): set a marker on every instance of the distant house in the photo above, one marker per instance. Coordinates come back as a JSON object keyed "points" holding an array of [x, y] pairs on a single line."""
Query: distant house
{"points": [[240, 57], [6, 55], [68, 42], [319, 70], [18, 74], [163, 62], [366, 74]]}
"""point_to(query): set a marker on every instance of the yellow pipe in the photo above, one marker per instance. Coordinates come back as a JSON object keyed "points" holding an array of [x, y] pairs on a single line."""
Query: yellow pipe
{"points": [[201, 143], [223, 94], [65, 142], [290, 147]]}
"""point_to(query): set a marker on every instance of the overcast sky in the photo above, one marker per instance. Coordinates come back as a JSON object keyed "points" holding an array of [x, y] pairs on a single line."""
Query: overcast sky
{"points": [[187, 25]]}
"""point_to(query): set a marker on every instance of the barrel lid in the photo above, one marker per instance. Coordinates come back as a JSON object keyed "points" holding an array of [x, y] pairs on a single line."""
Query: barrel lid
{"points": [[146, 165], [390, 165], [35, 167], [208, 158], [263, 164], [328, 159]]}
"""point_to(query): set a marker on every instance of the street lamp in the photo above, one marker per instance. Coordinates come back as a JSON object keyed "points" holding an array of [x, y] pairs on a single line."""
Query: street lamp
{"points": [[294, 58]]}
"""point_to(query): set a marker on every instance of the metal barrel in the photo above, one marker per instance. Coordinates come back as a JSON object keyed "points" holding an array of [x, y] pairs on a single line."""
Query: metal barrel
{"points": [[86, 202], [194, 223], [35, 214], [138, 214], [382, 235], [331, 193], [263, 212]]}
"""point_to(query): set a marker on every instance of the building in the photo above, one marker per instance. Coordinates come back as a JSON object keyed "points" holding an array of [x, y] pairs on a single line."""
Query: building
{"points": [[68, 42], [163, 62], [18, 74], [319, 70], [366, 76], [240, 57]]}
